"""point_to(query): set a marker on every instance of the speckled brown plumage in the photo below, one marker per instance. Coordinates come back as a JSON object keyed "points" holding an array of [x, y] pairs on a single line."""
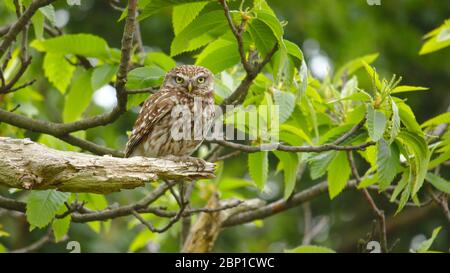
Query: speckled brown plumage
{"points": [[188, 88]]}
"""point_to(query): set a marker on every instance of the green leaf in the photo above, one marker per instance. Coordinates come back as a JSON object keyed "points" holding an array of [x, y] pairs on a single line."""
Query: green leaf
{"points": [[183, 15], [310, 249], [440, 119], [418, 148], [437, 39], [294, 50], [262, 36], [407, 88], [425, 246], [438, 182], [273, 23], [395, 121], [402, 184], [338, 174], [286, 103], [438, 160], [318, 164], [77, 44], [61, 227], [43, 205], [160, 59], [58, 71], [144, 77], [353, 66], [408, 119], [38, 24], [154, 6], [203, 30], [388, 163], [258, 166], [141, 240], [102, 75], [296, 131], [49, 12], [79, 96], [219, 55], [290, 164], [376, 123]]}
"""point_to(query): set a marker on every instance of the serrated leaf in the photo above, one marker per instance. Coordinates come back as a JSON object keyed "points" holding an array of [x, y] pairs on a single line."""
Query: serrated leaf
{"points": [[183, 15], [310, 249], [440, 119], [408, 119], [152, 7], [262, 36], [376, 123], [420, 153], [401, 185], [49, 12], [298, 132], [219, 55], [203, 30], [58, 70], [294, 50], [338, 174], [286, 103], [102, 75], [43, 205], [78, 97], [38, 24], [438, 182], [160, 59], [388, 163], [258, 166], [144, 77], [354, 65], [60, 227], [77, 44], [395, 121], [290, 163], [319, 163]]}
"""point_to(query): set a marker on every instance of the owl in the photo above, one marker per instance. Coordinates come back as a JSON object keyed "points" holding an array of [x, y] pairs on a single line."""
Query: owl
{"points": [[174, 121]]}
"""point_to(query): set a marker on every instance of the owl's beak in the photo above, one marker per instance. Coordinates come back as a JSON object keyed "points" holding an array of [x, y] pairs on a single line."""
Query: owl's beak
{"points": [[190, 87]]}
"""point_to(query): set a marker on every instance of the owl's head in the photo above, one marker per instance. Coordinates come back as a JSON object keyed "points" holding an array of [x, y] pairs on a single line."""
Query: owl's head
{"points": [[192, 79]]}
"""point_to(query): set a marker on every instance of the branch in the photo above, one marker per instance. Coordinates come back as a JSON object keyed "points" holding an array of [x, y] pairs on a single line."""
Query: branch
{"points": [[281, 205], [252, 71], [27, 165], [287, 148], [21, 23], [378, 213], [61, 130], [237, 32]]}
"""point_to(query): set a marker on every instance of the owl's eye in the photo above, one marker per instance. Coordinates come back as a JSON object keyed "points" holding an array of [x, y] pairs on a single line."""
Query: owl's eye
{"points": [[179, 80], [201, 79]]}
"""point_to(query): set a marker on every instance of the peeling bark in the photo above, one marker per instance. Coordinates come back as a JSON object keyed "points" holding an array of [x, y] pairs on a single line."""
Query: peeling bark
{"points": [[28, 165]]}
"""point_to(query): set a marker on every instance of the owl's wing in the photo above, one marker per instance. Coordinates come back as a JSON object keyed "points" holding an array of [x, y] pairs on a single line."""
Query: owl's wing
{"points": [[154, 109]]}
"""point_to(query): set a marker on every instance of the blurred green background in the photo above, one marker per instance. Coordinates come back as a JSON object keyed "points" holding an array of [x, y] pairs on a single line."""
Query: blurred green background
{"points": [[330, 32]]}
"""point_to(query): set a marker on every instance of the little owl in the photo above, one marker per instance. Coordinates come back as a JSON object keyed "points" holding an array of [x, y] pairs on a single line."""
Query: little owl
{"points": [[185, 102]]}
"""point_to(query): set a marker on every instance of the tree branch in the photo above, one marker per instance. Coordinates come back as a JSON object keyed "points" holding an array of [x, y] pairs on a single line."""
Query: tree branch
{"points": [[27, 165], [21, 23], [287, 148], [62, 130]]}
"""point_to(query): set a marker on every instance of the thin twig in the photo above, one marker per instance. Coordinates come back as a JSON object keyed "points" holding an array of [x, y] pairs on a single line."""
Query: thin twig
{"points": [[379, 213], [287, 148]]}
